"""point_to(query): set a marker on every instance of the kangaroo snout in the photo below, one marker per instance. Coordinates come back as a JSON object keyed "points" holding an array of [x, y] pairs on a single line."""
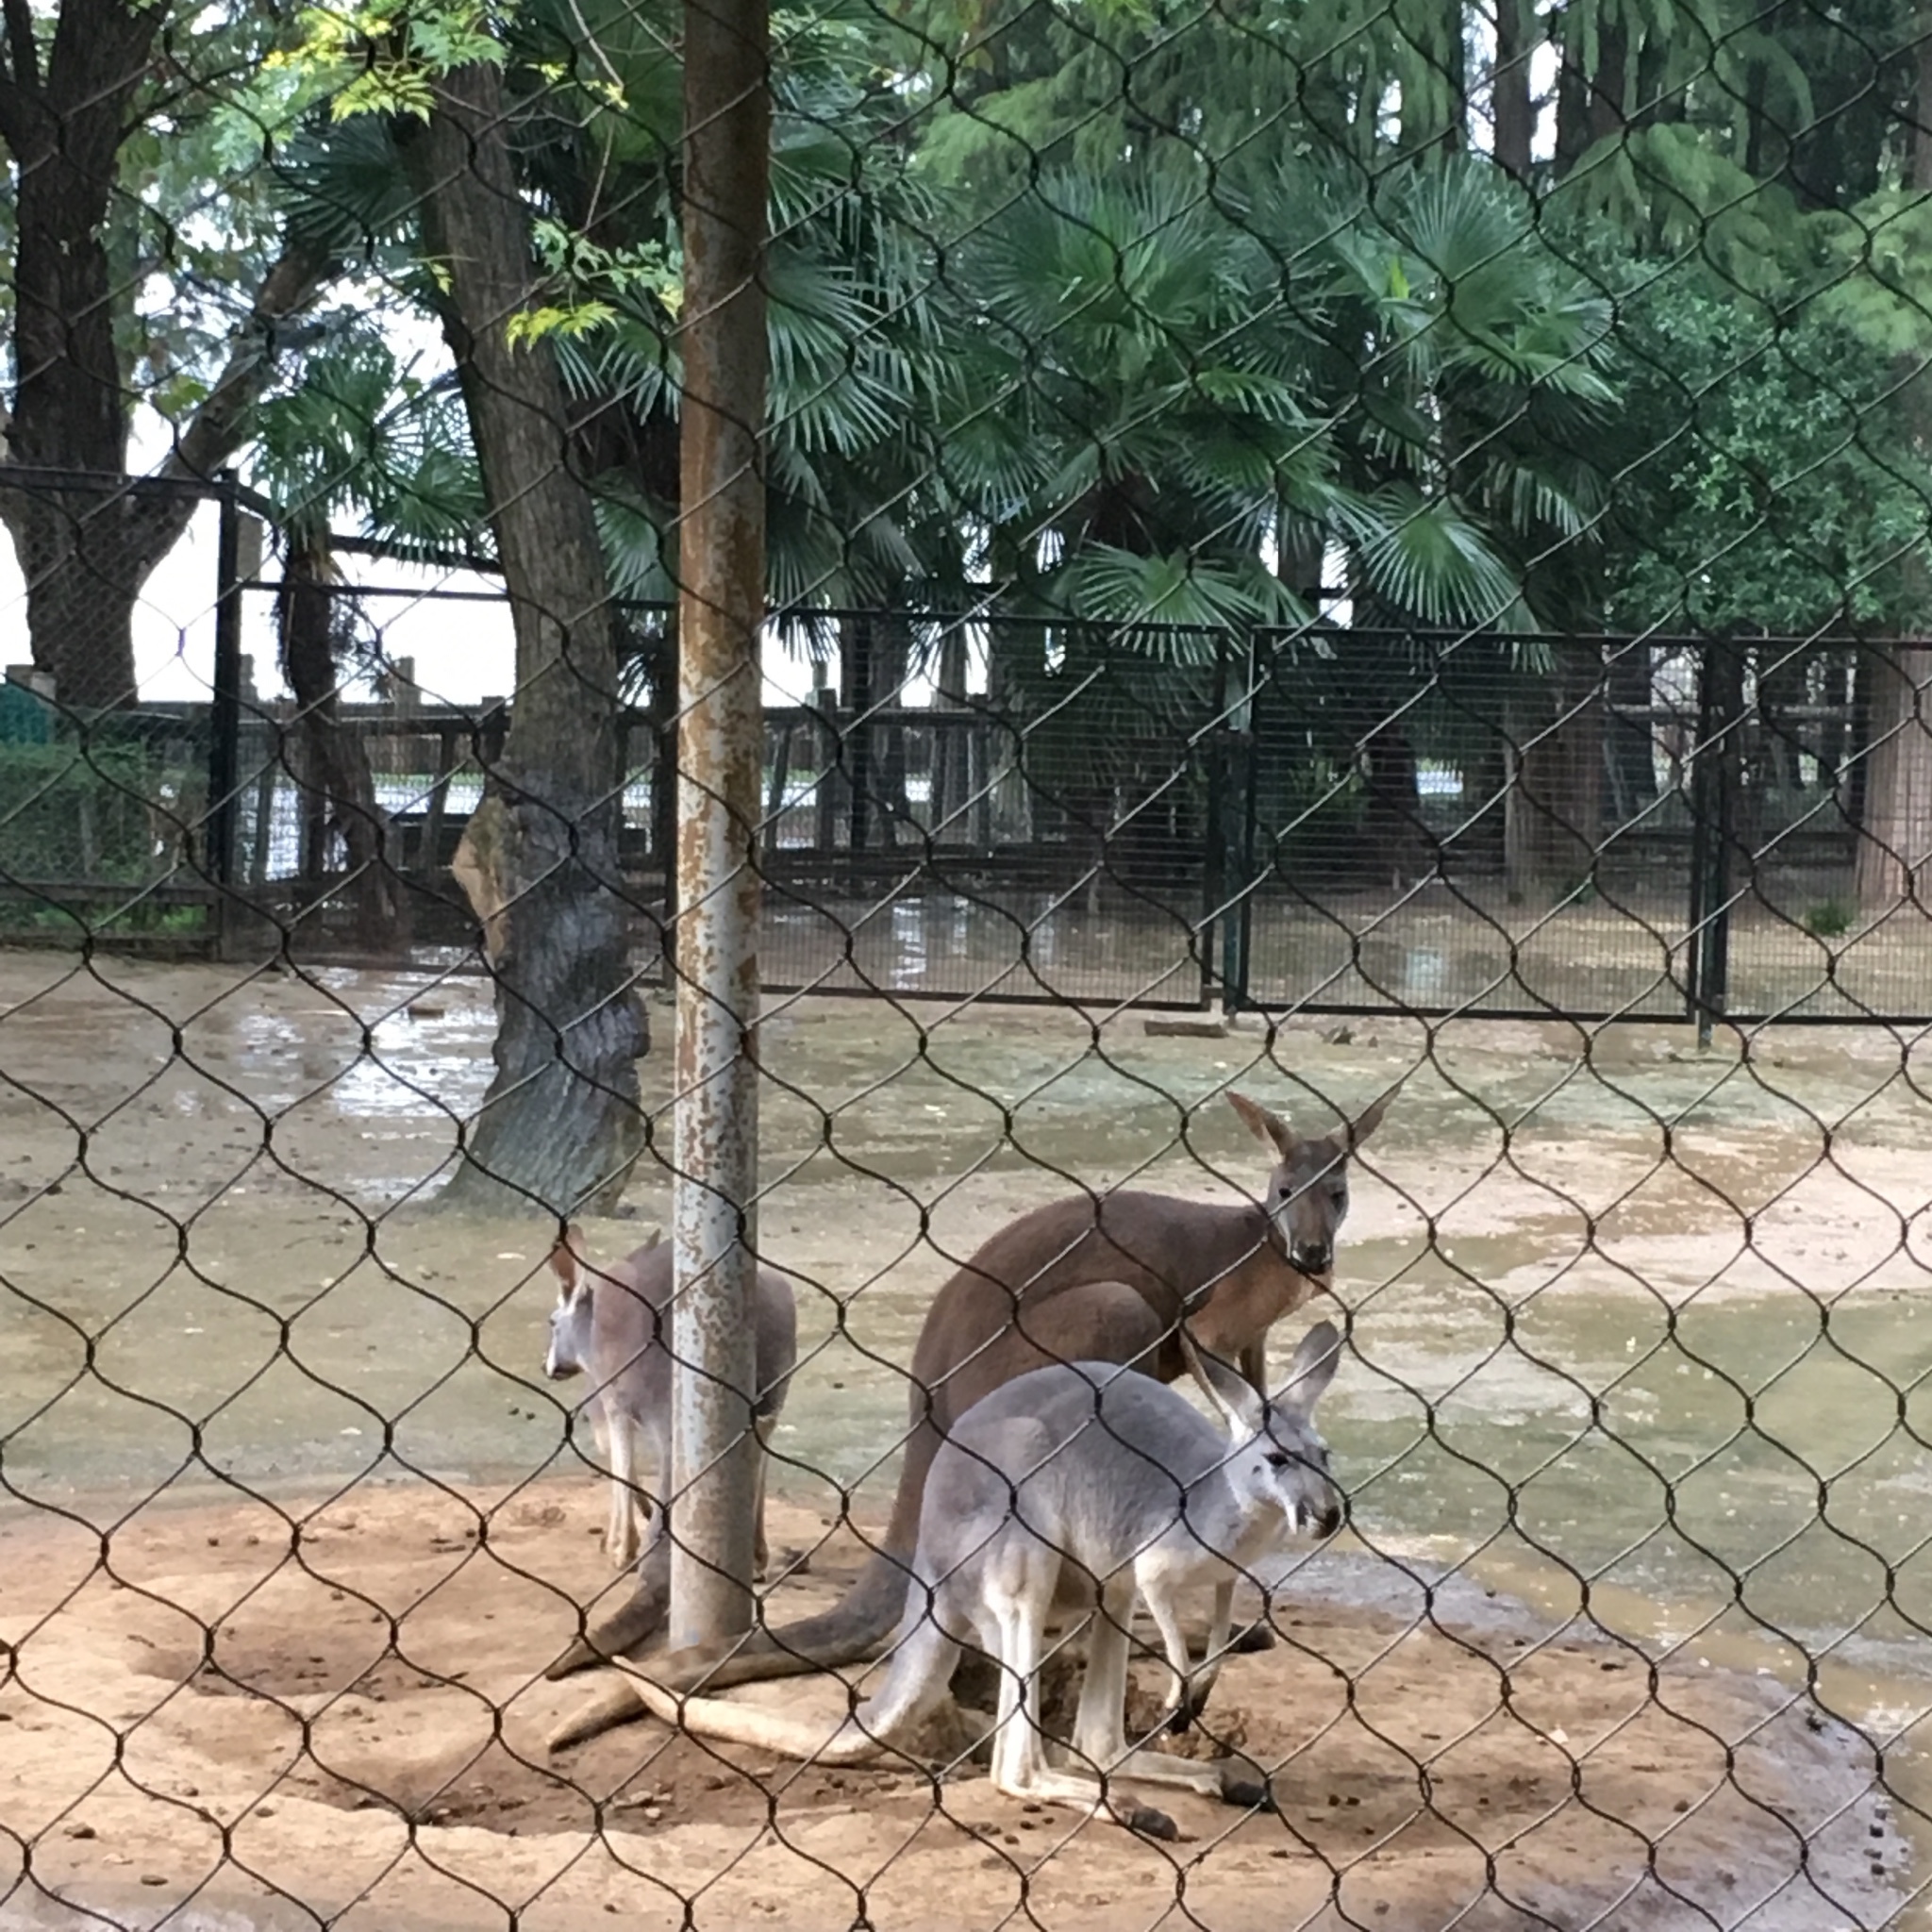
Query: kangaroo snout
{"points": [[1312, 1258]]}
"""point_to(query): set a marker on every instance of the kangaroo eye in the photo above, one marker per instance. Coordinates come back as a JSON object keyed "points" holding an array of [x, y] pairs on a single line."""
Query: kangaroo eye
{"points": [[1277, 1458]]}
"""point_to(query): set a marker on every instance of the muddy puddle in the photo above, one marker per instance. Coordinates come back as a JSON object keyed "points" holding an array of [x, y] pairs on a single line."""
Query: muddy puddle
{"points": [[1638, 1335]]}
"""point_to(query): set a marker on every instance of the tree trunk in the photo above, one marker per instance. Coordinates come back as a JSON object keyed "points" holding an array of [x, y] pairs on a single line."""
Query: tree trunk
{"points": [[1511, 107], [560, 1125], [70, 406], [1632, 748], [1895, 848], [1399, 847], [952, 773], [1895, 840], [1554, 816], [332, 766], [1435, 91]]}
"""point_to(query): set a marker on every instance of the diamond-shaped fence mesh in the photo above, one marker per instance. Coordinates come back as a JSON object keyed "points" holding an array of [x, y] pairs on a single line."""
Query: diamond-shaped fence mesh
{"points": [[1344, 809]]}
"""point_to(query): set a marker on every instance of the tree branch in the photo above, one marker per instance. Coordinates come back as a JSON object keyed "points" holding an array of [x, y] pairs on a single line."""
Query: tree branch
{"points": [[218, 428], [25, 62]]}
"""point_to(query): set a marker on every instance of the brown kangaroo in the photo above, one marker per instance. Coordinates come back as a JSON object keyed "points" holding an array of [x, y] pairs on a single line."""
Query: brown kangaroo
{"points": [[1087, 1280]]}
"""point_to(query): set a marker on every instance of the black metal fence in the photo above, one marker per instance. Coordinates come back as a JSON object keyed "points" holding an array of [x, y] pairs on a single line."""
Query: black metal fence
{"points": [[1328, 820]]}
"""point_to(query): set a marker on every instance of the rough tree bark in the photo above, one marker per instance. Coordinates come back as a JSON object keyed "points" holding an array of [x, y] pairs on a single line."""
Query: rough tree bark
{"points": [[1435, 107], [332, 765], [560, 1125], [1894, 861], [1511, 106], [86, 553], [1553, 817]]}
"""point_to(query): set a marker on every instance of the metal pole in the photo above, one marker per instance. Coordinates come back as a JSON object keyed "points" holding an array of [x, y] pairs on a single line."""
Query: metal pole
{"points": [[721, 744], [225, 707]]}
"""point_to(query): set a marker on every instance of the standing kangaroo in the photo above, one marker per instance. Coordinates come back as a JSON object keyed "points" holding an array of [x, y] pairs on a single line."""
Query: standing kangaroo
{"points": [[1108, 1278], [1092, 1466], [614, 1324]]}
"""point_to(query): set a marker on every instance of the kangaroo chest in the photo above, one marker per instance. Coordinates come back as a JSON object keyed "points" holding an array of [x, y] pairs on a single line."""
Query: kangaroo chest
{"points": [[1247, 1302]]}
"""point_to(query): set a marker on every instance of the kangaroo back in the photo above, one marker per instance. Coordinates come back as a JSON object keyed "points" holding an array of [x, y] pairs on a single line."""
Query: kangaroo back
{"points": [[633, 1346]]}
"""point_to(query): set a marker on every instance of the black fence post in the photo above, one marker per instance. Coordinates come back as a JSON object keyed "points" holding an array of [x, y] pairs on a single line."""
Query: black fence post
{"points": [[1239, 736], [1214, 866], [1713, 788], [225, 707], [859, 701]]}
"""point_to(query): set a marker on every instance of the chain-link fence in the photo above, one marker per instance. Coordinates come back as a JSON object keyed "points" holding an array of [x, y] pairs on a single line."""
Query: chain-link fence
{"points": [[1321, 613]]}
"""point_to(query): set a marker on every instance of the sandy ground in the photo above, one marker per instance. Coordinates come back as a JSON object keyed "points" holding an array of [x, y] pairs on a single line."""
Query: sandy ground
{"points": [[339, 1714], [215, 1292]]}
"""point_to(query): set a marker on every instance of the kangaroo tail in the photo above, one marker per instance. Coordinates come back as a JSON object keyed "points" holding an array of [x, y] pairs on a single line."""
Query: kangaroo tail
{"points": [[922, 1670], [718, 1717], [855, 1628]]}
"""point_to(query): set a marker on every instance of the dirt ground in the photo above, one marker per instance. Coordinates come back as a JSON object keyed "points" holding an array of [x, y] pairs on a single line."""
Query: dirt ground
{"points": [[220, 1316], [346, 1718]]}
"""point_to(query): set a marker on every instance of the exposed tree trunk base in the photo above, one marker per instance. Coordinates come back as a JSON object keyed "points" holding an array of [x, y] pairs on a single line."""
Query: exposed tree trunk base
{"points": [[333, 765], [561, 1126]]}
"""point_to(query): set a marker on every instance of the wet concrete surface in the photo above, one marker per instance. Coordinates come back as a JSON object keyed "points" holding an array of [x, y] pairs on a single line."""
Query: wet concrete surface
{"points": [[1637, 1333]]}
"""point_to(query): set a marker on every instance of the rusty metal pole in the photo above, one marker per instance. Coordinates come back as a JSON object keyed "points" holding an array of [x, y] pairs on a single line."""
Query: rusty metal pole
{"points": [[721, 747]]}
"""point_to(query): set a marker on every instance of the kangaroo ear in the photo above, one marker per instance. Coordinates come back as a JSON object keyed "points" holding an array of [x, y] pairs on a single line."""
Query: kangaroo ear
{"points": [[1237, 1406], [1268, 1128], [567, 1258], [656, 1236], [1313, 1368], [1369, 1120]]}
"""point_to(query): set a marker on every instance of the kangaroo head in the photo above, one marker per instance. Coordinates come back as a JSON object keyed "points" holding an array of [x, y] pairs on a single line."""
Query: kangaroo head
{"points": [[570, 1319], [1308, 1192], [1278, 1457]]}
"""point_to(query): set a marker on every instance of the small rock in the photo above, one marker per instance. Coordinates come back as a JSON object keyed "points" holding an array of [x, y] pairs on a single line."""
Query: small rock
{"points": [[153, 1878], [81, 1831]]}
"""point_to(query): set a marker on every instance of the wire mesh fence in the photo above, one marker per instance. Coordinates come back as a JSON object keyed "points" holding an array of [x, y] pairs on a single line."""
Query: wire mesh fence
{"points": [[1401, 533]]}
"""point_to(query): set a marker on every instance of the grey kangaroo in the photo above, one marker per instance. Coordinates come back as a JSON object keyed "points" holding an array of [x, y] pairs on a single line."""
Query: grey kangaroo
{"points": [[1106, 1278], [614, 1324], [1090, 1466]]}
